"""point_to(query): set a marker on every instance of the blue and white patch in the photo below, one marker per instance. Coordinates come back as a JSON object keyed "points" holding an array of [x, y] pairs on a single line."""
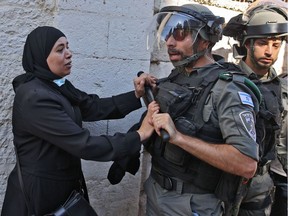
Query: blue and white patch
{"points": [[247, 119], [246, 98], [59, 82]]}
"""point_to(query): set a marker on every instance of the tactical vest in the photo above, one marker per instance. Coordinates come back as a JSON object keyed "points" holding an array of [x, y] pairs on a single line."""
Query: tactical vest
{"points": [[171, 160], [268, 119], [282, 151]]}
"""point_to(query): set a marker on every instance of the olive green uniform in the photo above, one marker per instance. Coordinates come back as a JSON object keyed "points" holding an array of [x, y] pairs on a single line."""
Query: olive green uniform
{"points": [[279, 166], [258, 200], [189, 188]]}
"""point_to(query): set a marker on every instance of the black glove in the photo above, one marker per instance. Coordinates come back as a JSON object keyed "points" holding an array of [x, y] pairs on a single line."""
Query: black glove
{"points": [[118, 168], [129, 164], [116, 173]]}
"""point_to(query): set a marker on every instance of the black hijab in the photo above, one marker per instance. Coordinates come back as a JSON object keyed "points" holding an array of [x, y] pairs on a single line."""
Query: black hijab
{"points": [[37, 48]]}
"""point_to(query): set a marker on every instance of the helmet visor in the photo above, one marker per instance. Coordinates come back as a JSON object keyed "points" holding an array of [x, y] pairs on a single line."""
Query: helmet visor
{"points": [[170, 24]]}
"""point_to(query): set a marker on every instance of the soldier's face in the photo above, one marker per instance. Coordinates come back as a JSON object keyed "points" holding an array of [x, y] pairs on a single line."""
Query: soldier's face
{"points": [[179, 49], [263, 54]]}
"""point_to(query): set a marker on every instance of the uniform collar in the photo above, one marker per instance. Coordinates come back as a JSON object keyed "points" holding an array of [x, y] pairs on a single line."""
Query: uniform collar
{"points": [[268, 77]]}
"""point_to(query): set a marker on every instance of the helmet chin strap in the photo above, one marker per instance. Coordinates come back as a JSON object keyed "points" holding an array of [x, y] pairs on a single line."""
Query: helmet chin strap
{"points": [[188, 60]]}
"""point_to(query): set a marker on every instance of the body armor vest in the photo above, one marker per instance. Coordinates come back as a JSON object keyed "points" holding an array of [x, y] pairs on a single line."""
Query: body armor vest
{"points": [[268, 119], [171, 160]]}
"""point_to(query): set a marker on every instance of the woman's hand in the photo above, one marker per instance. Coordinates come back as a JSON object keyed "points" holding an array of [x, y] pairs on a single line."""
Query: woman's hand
{"points": [[146, 129], [140, 82]]}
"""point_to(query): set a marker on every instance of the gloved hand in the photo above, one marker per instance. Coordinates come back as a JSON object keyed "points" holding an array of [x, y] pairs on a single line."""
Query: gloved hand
{"points": [[118, 168], [116, 173]]}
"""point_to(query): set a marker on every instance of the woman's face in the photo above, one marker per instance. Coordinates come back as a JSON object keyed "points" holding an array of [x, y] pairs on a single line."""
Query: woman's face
{"points": [[59, 59]]}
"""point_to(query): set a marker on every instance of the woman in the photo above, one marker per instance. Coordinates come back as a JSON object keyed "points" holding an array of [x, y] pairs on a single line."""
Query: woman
{"points": [[47, 115]]}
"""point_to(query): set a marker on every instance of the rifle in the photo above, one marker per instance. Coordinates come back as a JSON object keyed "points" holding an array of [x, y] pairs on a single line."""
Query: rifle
{"points": [[232, 209]]}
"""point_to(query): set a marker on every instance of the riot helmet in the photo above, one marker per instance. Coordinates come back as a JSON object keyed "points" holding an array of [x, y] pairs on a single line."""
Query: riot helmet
{"points": [[262, 19], [180, 21]]}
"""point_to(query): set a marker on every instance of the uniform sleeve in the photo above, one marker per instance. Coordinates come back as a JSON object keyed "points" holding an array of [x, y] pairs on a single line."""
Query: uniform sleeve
{"points": [[47, 117], [234, 106], [281, 146], [94, 108]]}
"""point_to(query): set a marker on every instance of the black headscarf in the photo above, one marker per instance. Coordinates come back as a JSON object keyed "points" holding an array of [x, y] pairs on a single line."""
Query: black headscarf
{"points": [[37, 48]]}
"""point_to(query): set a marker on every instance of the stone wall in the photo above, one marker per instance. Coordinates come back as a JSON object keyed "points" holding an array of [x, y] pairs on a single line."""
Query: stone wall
{"points": [[108, 41], [17, 18]]}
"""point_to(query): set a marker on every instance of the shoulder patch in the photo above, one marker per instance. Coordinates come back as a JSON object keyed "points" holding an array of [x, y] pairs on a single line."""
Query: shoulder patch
{"points": [[249, 124], [246, 98]]}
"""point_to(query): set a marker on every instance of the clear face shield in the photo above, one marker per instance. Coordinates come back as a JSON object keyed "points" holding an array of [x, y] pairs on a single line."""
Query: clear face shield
{"points": [[170, 24]]}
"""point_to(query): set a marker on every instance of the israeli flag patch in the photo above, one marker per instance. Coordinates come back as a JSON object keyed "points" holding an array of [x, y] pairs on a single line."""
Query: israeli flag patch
{"points": [[246, 98]]}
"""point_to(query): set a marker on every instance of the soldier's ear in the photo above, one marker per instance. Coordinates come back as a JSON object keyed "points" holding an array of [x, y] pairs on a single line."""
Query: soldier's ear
{"points": [[205, 44], [247, 44]]}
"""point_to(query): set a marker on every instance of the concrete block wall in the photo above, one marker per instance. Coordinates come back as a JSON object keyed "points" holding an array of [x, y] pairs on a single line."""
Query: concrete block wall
{"points": [[17, 18], [107, 38], [108, 41]]}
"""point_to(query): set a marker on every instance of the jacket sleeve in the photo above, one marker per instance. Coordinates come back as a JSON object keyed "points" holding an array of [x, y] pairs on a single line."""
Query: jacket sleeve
{"points": [[281, 146], [235, 107], [50, 119], [94, 108]]}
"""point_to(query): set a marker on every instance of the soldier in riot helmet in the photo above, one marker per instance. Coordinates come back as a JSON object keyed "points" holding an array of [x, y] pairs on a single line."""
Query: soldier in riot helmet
{"points": [[208, 108], [260, 32]]}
